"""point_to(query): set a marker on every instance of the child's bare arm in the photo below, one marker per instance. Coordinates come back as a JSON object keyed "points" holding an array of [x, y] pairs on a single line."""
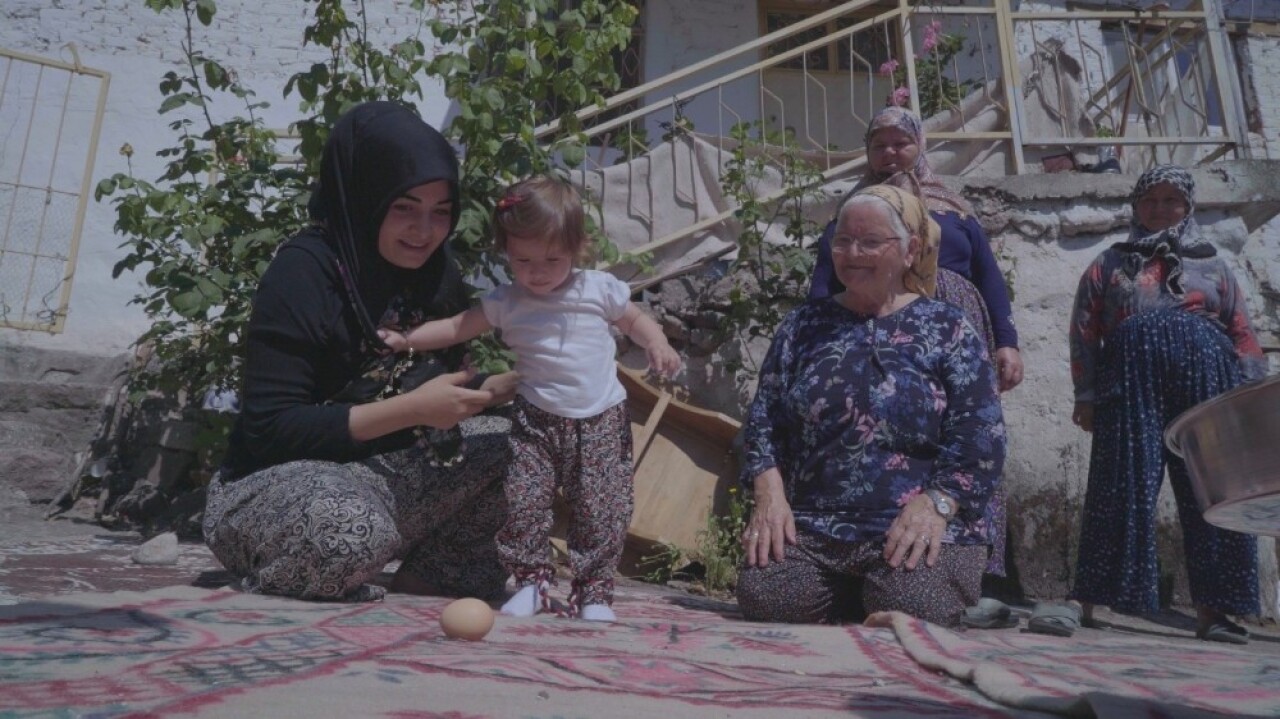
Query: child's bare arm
{"points": [[642, 330], [439, 334]]}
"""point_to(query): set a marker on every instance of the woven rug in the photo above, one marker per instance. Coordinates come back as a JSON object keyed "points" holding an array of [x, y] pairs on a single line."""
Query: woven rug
{"points": [[203, 652], [218, 653], [102, 563], [1097, 673]]}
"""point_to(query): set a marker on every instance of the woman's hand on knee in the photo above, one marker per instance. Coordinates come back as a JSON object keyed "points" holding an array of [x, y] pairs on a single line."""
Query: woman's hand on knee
{"points": [[772, 525], [916, 532]]}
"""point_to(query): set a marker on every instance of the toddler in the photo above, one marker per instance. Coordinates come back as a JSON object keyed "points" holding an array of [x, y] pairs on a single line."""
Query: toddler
{"points": [[570, 428]]}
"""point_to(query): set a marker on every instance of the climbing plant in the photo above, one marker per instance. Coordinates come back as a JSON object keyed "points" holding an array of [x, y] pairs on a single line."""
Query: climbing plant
{"points": [[767, 279], [937, 88], [511, 64], [202, 233]]}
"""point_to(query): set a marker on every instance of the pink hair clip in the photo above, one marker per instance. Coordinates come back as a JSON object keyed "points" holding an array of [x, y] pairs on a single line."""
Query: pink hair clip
{"points": [[509, 201]]}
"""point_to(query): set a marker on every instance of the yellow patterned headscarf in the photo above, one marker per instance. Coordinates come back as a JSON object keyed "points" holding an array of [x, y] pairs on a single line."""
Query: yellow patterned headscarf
{"points": [[922, 276]]}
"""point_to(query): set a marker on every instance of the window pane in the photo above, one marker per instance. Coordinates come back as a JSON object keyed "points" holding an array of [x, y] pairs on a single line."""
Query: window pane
{"points": [[871, 47], [817, 59]]}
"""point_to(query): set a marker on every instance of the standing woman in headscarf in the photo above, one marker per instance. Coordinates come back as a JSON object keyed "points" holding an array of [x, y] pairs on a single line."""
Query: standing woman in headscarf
{"points": [[967, 277], [1159, 325], [333, 470], [896, 155]]}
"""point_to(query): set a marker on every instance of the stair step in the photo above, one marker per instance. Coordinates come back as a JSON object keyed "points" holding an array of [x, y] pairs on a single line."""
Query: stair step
{"points": [[18, 396]]}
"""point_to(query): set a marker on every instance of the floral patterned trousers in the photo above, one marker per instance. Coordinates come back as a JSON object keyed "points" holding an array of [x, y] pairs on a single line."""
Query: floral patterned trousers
{"points": [[590, 461], [1155, 366], [823, 580], [954, 289]]}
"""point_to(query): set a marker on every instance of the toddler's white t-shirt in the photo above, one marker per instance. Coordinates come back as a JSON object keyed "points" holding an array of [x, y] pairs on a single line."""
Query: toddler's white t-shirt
{"points": [[563, 345]]}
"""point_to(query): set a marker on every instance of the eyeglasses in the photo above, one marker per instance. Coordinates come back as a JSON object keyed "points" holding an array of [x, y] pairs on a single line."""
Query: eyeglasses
{"points": [[843, 244]]}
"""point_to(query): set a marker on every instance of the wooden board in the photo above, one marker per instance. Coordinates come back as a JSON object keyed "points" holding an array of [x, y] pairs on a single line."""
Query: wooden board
{"points": [[684, 464]]}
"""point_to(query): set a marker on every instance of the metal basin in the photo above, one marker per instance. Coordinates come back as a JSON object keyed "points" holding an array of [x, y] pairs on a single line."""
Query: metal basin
{"points": [[1231, 445]]}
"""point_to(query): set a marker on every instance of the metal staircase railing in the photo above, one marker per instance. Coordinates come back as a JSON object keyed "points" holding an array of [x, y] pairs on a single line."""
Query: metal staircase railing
{"points": [[1039, 82]]}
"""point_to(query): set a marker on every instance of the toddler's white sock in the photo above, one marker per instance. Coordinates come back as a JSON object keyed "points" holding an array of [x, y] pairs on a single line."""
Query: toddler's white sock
{"points": [[598, 613], [524, 603]]}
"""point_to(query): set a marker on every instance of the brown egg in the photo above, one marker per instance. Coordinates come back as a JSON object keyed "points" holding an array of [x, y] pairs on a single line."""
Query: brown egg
{"points": [[469, 619]]}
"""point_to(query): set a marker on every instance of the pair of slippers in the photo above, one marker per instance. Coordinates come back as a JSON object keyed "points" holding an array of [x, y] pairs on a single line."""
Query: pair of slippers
{"points": [[989, 614], [1059, 620], [1224, 630]]}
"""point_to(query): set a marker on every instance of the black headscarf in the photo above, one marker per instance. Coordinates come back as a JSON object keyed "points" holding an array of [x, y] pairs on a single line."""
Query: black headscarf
{"points": [[376, 152]]}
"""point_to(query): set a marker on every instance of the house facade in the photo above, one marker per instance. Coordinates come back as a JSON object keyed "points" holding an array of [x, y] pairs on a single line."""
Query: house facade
{"points": [[1045, 227]]}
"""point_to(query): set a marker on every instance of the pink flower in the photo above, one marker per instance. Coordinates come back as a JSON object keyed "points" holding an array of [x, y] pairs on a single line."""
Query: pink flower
{"points": [[931, 36], [889, 67], [900, 97]]}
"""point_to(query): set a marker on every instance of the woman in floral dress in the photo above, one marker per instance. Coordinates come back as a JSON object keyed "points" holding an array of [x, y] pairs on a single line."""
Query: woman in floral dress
{"points": [[875, 439]]}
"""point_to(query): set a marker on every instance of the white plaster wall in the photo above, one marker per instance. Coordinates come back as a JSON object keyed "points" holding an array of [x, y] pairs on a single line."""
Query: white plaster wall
{"points": [[1261, 272], [829, 110], [679, 34], [1081, 40], [1265, 54], [262, 42]]}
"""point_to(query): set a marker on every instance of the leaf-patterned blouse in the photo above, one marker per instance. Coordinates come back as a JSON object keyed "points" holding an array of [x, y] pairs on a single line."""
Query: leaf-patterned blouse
{"points": [[860, 414]]}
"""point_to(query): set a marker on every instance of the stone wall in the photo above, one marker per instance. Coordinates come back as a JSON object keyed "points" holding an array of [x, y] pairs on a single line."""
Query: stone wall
{"points": [[1047, 229], [1264, 52], [52, 405]]}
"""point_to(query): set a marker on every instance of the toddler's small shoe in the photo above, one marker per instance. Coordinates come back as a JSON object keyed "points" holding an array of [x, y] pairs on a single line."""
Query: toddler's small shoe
{"points": [[598, 613], [524, 603]]}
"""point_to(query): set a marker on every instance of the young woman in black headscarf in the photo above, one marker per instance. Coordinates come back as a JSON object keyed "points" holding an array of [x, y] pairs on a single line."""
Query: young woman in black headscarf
{"points": [[335, 466]]}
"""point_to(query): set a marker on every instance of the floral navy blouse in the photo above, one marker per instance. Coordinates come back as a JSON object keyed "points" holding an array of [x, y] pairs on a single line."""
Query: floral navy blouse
{"points": [[860, 414], [1118, 285]]}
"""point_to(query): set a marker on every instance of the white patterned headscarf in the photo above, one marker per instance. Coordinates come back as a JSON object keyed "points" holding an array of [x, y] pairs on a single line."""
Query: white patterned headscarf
{"points": [[919, 180], [1173, 243]]}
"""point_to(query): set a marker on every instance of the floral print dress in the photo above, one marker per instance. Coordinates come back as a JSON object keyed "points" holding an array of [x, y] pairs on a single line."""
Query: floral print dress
{"points": [[862, 413], [1143, 354]]}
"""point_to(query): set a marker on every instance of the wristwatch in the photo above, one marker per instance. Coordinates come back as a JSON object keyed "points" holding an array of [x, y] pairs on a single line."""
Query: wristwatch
{"points": [[942, 502]]}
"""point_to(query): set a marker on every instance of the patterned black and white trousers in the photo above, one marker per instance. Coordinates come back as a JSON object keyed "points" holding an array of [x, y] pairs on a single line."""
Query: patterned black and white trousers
{"points": [[323, 530]]}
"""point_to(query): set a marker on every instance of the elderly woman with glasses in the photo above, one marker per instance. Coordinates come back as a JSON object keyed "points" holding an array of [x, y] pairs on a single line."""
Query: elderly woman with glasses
{"points": [[968, 276], [875, 438]]}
